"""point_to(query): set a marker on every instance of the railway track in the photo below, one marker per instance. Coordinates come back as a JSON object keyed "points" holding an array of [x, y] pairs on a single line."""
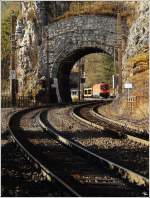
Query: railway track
{"points": [[125, 152], [31, 147], [130, 132], [102, 163], [89, 115], [130, 151], [75, 175]]}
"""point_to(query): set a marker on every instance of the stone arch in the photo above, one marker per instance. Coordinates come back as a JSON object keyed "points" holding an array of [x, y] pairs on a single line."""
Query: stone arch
{"points": [[63, 65], [73, 38]]}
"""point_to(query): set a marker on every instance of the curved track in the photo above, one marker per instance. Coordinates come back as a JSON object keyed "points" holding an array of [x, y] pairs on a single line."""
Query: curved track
{"points": [[73, 172], [142, 136], [34, 152], [128, 151], [101, 163], [123, 151], [89, 115]]}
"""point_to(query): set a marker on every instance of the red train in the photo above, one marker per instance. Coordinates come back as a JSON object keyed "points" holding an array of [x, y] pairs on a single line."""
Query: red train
{"points": [[98, 90], [101, 89]]}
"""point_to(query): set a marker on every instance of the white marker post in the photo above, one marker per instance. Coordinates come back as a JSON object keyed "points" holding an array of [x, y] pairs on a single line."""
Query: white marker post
{"points": [[113, 84]]}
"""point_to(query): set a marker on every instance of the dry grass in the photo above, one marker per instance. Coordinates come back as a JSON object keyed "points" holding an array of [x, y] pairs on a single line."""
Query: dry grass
{"points": [[100, 7]]}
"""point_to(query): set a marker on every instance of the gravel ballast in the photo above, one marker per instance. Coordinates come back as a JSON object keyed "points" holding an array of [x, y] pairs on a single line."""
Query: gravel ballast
{"points": [[125, 152], [19, 178]]}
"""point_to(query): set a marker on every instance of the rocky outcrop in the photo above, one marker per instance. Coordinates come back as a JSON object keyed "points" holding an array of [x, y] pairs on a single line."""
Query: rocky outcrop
{"points": [[134, 112], [29, 30], [135, 70], [28, 46], [135, 59]]}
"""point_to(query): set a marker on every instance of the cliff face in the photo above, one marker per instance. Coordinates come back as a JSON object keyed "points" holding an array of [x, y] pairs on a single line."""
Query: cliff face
{"points": [[135, 59], [28, 44], [135, 69], [33, 17]]}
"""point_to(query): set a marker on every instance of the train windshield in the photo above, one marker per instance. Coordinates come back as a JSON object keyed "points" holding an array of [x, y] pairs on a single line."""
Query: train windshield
{"points": [[104, 87]]}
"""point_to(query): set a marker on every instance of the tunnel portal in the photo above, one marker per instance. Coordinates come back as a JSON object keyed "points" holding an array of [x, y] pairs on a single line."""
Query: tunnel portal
{"points": [[72, 38], [65, 69]]}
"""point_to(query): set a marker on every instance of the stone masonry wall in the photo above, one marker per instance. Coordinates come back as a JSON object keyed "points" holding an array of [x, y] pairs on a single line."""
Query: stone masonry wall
{"points": [[67, 35]]}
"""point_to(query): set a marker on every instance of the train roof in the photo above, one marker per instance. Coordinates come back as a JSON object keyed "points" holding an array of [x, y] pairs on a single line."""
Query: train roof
{"points": [[88, 88]]}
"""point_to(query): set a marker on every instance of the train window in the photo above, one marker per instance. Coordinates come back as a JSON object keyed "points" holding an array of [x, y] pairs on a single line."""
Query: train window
{"points": [[104, 87], [89, 91], [74, 93], [85, 91]]}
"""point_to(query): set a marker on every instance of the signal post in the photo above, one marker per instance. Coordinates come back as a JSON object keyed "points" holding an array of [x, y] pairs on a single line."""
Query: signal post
{"points": [[12, 62]]}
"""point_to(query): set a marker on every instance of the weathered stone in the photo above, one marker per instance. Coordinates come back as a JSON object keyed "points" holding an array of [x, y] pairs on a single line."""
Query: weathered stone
{"points": [[72, 38], [136, 60], [69, 39]]}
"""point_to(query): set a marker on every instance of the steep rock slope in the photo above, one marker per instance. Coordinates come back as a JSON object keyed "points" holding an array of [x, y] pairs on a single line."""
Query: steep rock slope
{"points": [[135, 70], [30, 35], [135, 60]]}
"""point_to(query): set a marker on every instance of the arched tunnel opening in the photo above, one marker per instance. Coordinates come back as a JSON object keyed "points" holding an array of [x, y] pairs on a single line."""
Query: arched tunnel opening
{"points": [[65, 68]]}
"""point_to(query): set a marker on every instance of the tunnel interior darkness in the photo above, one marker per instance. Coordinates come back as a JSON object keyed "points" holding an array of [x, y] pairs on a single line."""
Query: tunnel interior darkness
{"points": [[65, 68]]}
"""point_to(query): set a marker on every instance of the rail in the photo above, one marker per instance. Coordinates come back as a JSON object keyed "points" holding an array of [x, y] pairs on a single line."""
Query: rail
{"points": [[31, 154], [125, 173], [135, 136]]}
